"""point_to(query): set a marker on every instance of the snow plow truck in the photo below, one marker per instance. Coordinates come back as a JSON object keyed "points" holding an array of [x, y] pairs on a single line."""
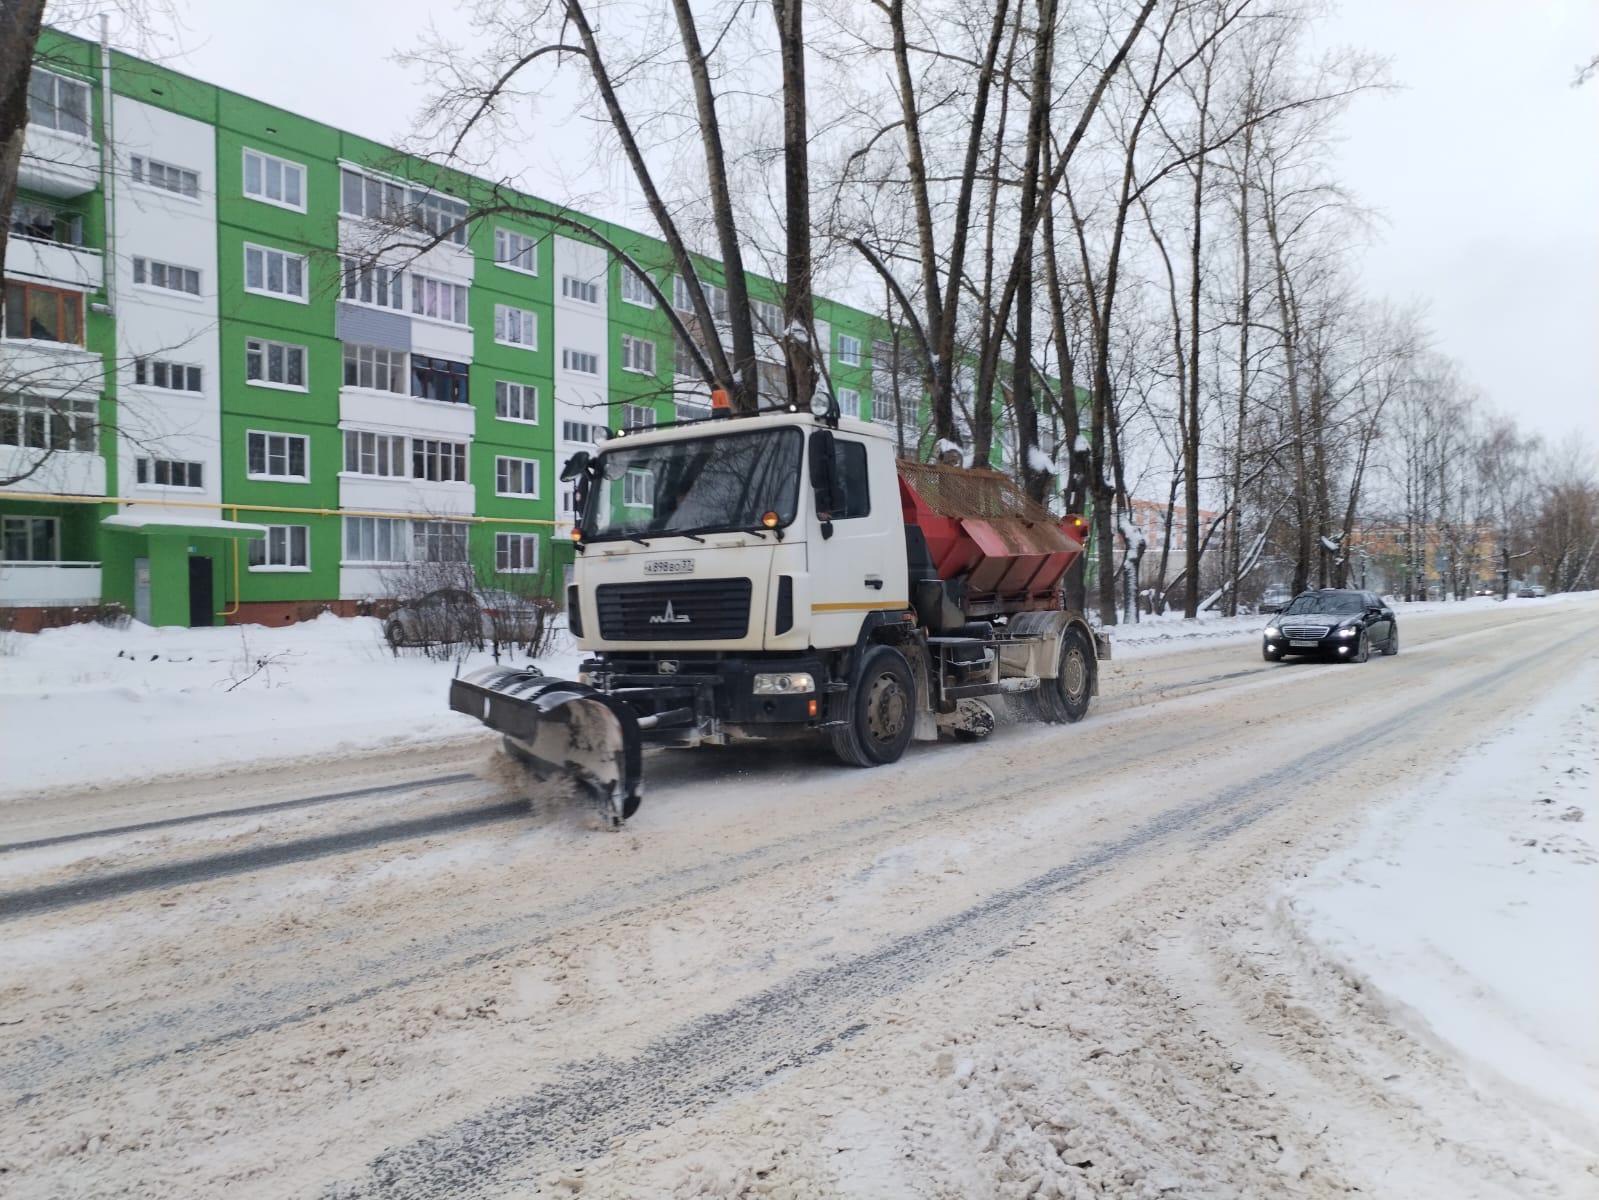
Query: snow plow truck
{"points": [[785, 575]]}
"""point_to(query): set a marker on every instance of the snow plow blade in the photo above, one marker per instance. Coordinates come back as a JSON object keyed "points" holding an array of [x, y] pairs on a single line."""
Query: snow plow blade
{"points": [[559, 726]]}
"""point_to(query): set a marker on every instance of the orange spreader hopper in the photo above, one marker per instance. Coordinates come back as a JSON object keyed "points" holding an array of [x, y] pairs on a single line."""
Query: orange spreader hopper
{"points": [[983, 529]]}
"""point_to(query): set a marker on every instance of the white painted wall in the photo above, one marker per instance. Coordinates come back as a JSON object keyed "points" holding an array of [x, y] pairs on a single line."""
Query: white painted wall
{"points": [[585, 327], [160, 225]]}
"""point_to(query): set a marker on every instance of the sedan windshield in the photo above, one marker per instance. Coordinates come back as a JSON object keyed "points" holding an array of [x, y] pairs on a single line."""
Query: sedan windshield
{"points": [[700, 485], [1336, 604]]}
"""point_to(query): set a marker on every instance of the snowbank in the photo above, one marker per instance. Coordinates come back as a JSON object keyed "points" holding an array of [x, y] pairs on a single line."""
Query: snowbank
{"points": [[1471, 907], [89, 704]]}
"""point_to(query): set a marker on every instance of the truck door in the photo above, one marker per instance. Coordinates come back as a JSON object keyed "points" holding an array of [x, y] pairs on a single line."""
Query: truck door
{"points": [[861, 568]]}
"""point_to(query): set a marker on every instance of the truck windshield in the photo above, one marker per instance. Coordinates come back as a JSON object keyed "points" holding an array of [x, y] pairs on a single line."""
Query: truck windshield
{"points": [[698, 485]]}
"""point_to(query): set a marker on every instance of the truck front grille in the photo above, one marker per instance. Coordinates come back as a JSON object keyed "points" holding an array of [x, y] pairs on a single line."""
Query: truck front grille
{"points": [[684, 610]]}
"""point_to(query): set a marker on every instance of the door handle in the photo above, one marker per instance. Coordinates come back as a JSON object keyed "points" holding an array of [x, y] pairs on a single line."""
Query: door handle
{"points": [[875, 581]]}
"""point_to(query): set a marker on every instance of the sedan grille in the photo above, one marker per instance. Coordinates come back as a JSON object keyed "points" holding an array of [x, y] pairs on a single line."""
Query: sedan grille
{"points": [[1306, 631], [686, 610]]}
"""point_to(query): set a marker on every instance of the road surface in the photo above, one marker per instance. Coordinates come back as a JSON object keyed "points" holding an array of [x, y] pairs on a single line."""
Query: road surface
{"points": [[1048, 965]]}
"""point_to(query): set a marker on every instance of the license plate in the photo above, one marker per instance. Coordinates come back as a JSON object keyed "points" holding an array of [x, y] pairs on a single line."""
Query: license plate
{"points": [[1302, 642], [669, 566]]}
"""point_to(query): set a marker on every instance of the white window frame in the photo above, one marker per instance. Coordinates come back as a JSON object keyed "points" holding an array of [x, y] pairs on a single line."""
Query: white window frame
{"points": [[358, 280], [29, 520], [302, 297], [502, 546], [288, 565], [263, 197], [524, 335], [287, 457], [388, 189], [139, 175], [149, 367], [849, 402], [503, 240], [589, 428], [396, 362], [147, 467], [638, 416], [850, 358], [65, 424], [265, 344], [634, 290], [508, 469], [637, 484], [424, 532], [442, 450], [392, 446], [459, 293], [399, 540], [631, 347], [144, 273], [526, 396], [583, 291], [88, 103], [570, 357]]}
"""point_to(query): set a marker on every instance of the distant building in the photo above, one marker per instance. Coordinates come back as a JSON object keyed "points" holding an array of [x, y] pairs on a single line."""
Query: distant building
{"points": [[1150, 517]]}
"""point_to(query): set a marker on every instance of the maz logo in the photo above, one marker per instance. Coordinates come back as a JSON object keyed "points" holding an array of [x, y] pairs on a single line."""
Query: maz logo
{"points": [[669, 617]]}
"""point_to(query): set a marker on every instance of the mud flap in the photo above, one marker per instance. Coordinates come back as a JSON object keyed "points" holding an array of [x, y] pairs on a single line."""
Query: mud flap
{"points": [[562, 727]]}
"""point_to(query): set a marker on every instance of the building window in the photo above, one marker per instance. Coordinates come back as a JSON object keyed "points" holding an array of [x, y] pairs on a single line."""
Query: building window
{"points": [[849, 350], [687, 410], [516, 251], [580, 361], [638, 355], [30, 539], [516, 477], [274, 364], [516, 402], [167, 472], [178, 180], [285, 548], [516, 327], [635, 290], [771, 381], [516, 553], [149, 273], [439, 215], [566, 502], [683, 364], [369, 198], [374, 368], [585, 291], [374, 540], [638, 489], [438, 299], [715, 299], [269, 272], [638, 416], [381, 455], [849, 402], [366, 283], [56, 102], [44, 314], [440, 462], [40, 423], [277, 456], [438, 541], [439, 379], [30, 219], [171, 376], [274, 180], [580, 431], [766, 318]]}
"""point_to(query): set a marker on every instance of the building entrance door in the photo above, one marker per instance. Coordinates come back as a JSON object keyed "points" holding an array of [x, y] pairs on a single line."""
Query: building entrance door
{"points": [[201, 611], [141, 590]]}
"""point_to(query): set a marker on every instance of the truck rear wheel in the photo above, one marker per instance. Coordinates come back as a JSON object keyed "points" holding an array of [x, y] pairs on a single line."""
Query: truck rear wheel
{"points": [[1066, 697], [881, 711]]}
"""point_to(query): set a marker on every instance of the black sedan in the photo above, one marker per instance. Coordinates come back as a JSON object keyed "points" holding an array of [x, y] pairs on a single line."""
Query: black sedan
{"points": [[1336, 623]]}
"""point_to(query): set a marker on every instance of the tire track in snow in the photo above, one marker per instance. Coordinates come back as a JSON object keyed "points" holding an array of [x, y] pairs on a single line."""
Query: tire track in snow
{"points": [[592, 1103]]}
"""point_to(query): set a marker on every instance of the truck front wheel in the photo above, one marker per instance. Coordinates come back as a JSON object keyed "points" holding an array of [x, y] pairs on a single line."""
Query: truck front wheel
{"points": [[1066, 697], [881, 711]]}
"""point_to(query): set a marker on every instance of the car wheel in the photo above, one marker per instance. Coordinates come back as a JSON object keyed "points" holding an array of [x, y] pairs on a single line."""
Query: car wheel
{"points": [[882, 711], [1392, 646], [394, 635], [1362, 649]]}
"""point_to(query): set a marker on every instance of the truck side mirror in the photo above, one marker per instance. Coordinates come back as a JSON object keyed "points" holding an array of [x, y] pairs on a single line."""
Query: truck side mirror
{"points": [[575, 466], [824, 478]]}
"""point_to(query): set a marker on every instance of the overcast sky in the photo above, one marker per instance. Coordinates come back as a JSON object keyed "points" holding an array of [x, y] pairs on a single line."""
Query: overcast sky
{"points": [[1484, 167]]}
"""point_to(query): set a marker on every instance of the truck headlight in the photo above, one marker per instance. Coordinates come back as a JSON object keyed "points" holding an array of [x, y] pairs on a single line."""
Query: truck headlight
{"points": [[788, 683]]}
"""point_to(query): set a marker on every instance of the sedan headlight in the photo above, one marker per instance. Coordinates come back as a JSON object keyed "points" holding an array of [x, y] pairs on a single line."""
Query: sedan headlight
{"points": [[788, 683], [1273, 633], [1349, 631]]}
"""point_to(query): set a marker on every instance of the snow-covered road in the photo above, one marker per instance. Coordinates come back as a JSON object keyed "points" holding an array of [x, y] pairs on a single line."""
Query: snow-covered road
{"points": [[1056, 964]]}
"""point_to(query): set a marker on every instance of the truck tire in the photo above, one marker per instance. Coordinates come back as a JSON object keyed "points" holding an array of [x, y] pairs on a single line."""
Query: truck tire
{"points": [[1065, 698], [881, 712]]}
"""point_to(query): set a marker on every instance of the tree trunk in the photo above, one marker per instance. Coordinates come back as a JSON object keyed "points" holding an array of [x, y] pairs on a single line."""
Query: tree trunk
{"points": [[797, 304], [19, 35]]}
